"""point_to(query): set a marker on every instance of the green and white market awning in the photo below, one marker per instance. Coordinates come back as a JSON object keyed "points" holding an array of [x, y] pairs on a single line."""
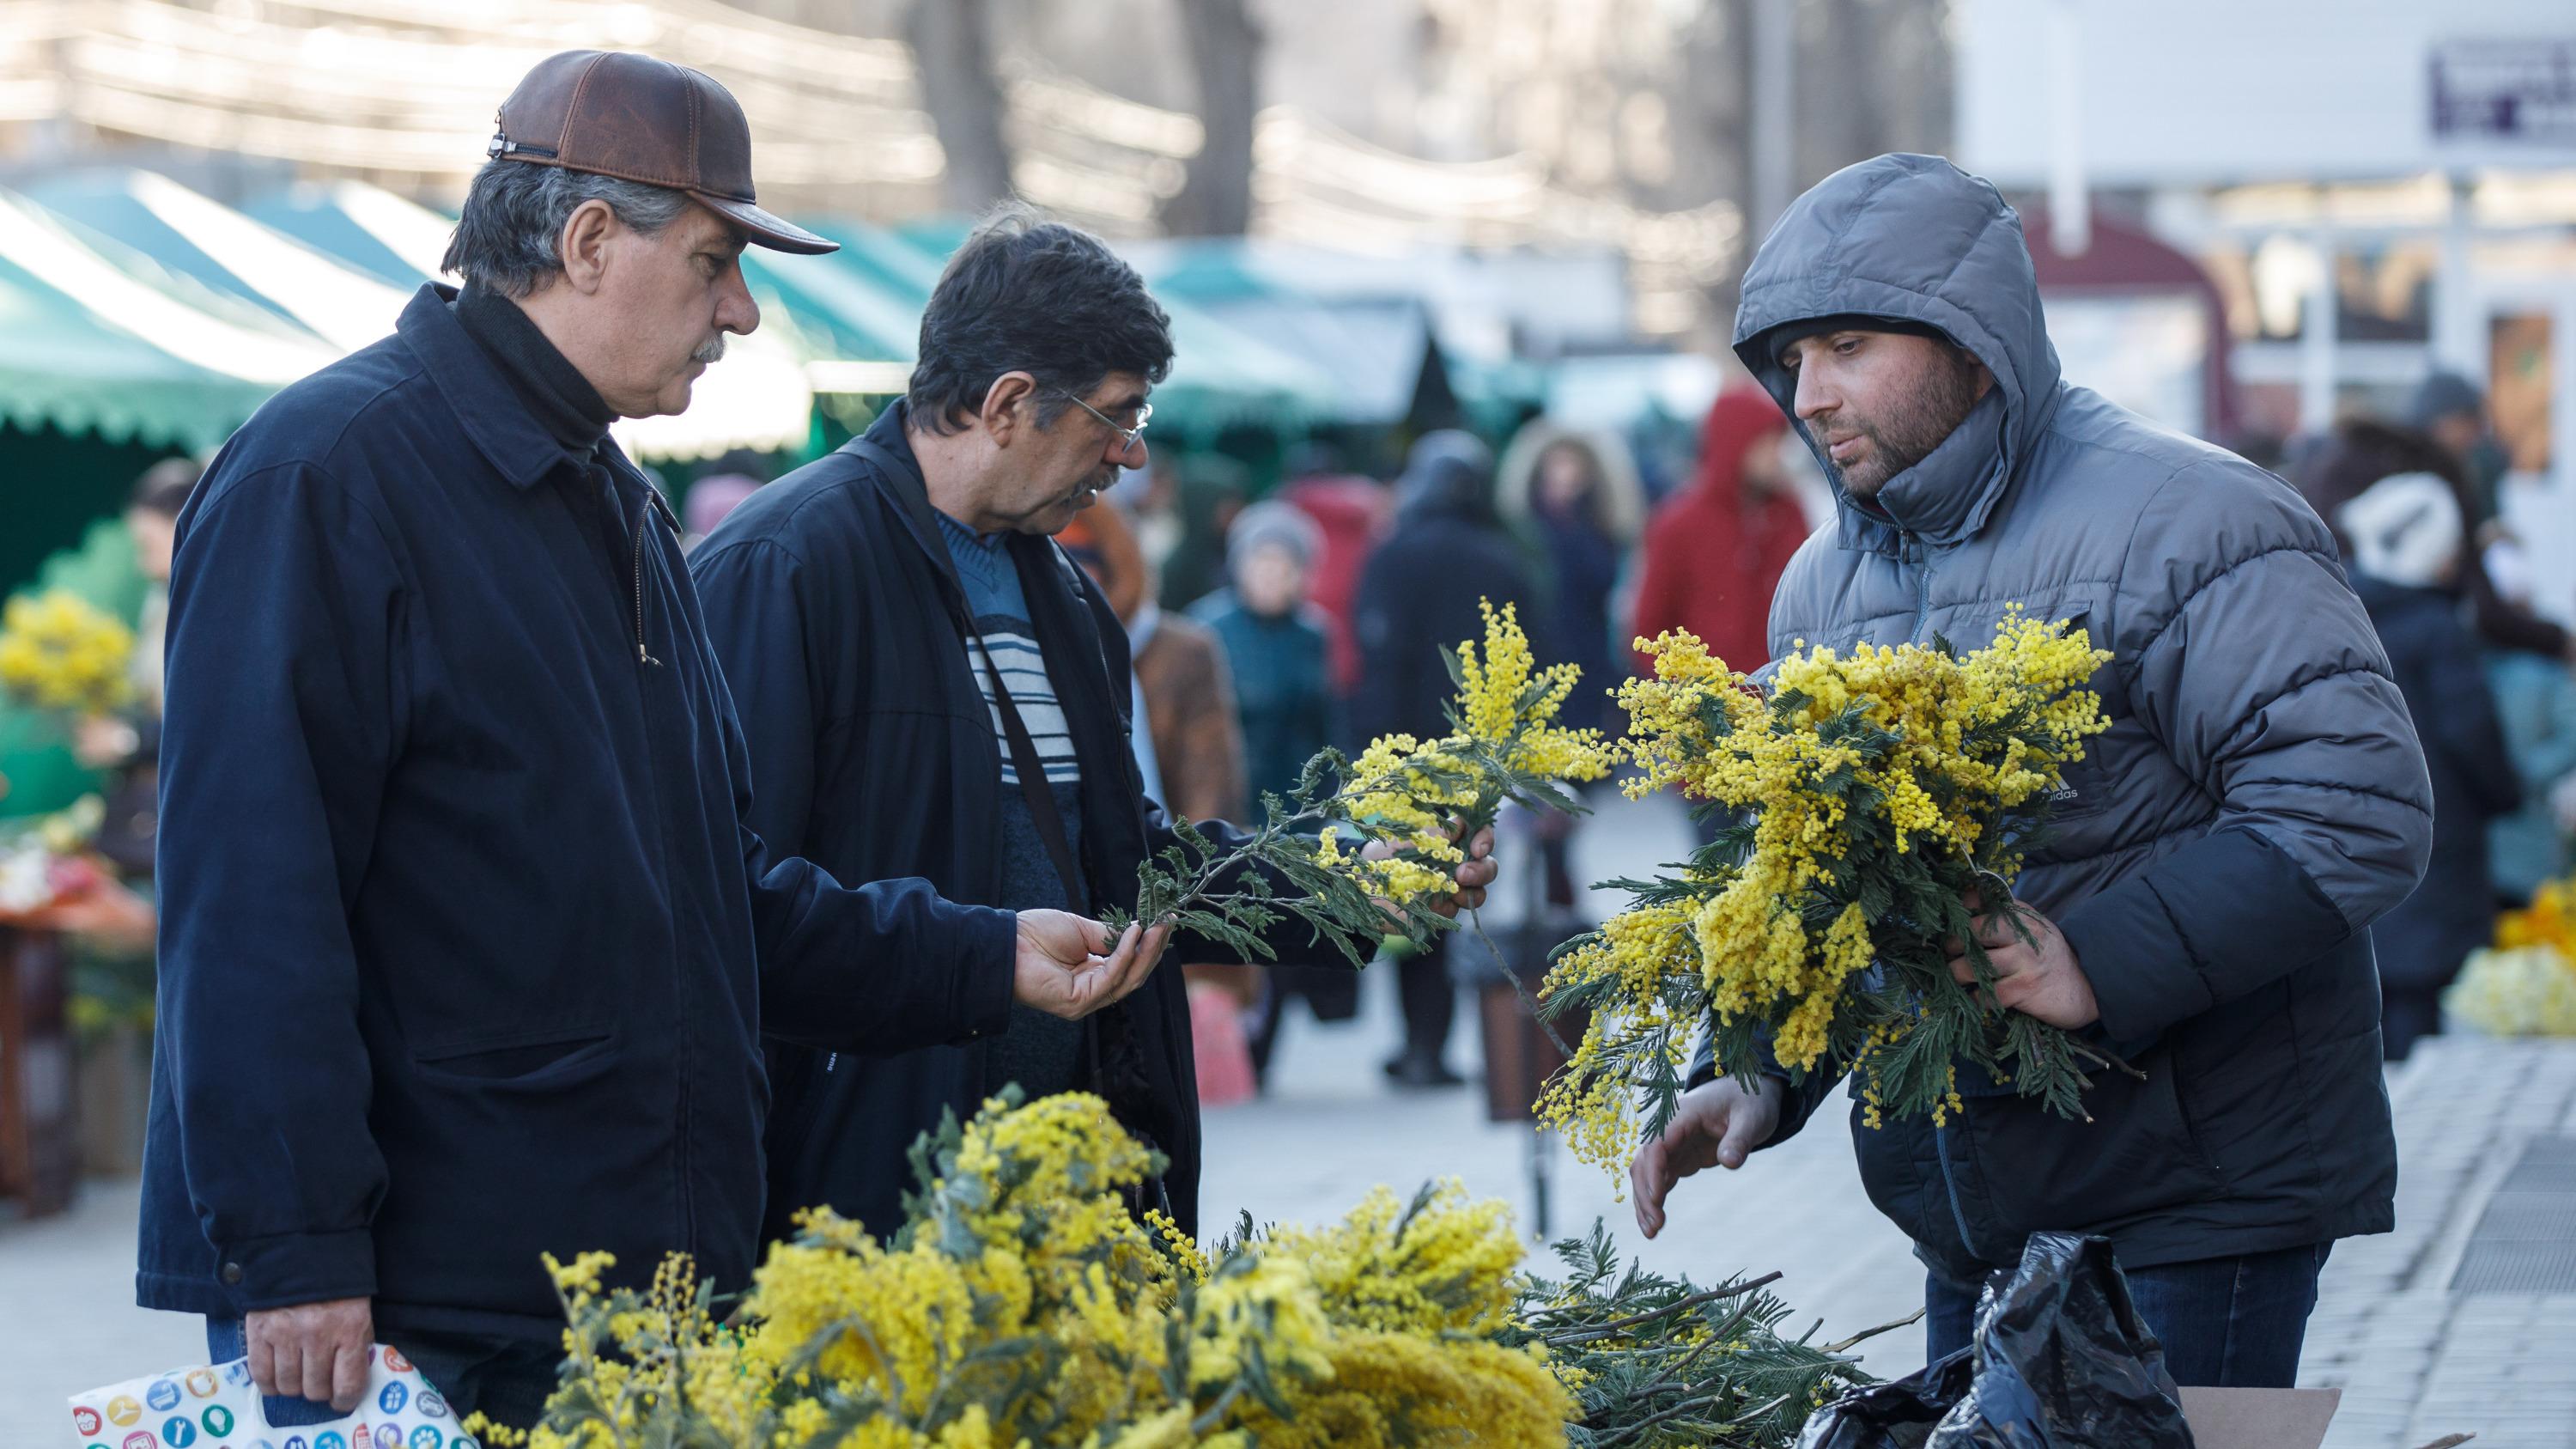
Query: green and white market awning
{"points": [[757, 398], [97, 337]]}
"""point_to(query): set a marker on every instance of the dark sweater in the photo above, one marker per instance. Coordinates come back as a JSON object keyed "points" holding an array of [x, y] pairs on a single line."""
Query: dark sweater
{"points": [[1040, 1052]]}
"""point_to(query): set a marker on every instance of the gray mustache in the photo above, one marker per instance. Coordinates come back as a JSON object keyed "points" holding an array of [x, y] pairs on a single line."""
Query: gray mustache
{"points": [[713, 351]]}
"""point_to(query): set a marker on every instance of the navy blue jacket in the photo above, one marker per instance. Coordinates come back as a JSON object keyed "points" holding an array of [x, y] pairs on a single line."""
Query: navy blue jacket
{"points": [[831, 600], [2433, 652], [466, 946]]}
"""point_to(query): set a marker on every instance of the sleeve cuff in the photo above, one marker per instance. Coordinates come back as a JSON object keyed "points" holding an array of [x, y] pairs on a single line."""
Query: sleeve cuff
{"points": [[290, 1268], [1798, 1100], [988, 960]]}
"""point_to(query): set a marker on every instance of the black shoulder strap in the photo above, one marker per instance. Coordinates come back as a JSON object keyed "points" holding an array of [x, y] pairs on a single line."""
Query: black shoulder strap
{"points": [[1015, 731]]}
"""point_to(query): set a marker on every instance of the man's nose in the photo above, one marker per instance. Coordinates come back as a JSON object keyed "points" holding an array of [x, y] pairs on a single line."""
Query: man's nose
{"points": [[1816, 396], [736, 312], [1126, 454]]}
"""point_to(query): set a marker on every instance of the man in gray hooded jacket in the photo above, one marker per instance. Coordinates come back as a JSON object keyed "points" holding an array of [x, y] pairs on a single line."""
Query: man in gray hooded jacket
{"points": [[2203, 906]]}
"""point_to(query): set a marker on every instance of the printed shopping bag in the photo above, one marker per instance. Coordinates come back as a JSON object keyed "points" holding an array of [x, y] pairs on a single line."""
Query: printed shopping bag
{"points": [[216, 1406]]}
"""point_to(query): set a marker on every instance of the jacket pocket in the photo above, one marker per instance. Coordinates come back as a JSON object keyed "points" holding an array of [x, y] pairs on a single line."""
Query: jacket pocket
{"points": [[2136, 1158], [536, 1060]]}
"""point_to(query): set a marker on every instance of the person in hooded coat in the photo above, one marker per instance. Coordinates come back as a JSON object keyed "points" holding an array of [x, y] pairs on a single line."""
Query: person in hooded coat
{"points": [[1417, 597], [1716, 551], [2203, 904], [1575, 499]]}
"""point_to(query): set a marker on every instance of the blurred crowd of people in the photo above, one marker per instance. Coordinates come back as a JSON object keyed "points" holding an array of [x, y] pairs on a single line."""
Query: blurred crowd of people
{"points": [[2417, 504]]}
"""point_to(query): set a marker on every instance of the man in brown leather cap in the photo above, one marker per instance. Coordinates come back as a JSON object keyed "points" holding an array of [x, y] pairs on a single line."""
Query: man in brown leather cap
{"points": [[466, 948]]}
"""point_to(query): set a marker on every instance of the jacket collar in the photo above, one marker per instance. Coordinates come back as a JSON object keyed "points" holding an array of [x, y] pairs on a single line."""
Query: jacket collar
{"points": [[898, 476], [1942, 500], [487, 407], [1059, 597], [1042, 559]]}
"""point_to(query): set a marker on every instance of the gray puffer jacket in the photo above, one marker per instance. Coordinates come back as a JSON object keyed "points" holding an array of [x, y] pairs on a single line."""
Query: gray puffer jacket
{"points": [[2259, 799]]}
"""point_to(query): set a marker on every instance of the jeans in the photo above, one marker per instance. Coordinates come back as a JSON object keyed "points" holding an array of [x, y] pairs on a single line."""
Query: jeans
{"points": [[507, 1379], [2224, 1322]]}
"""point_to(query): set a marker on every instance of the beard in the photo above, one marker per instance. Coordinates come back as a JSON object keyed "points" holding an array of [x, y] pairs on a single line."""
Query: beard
{"points": [[1920, 420]]}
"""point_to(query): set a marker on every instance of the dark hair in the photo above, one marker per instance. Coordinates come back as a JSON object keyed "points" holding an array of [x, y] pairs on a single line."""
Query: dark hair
{"points": [[1025, 294], [515, 213], [165, 486], [2361, 451]]}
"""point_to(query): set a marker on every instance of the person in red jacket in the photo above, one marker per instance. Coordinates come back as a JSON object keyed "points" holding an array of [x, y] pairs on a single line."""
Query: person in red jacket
{"points": [[1715, 551]]}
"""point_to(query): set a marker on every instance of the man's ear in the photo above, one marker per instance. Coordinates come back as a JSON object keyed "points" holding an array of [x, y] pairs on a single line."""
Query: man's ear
{"points": [[1000, 414], [583, 245]]}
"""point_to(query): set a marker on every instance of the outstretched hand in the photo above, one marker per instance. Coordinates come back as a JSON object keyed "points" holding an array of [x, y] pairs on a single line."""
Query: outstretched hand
{"points": [[1718, 1124], [1058, 968]]}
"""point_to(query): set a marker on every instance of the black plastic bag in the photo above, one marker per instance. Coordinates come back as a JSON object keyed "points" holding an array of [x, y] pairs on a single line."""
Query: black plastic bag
{"points": [[1899, 1414], [2060, 1360]]}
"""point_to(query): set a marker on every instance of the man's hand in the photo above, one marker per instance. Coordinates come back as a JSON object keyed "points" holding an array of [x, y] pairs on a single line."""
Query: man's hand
{"points": [[1716, 1125], [2038, 977], [1473, 875], [317, 1351], [1059, 969]]}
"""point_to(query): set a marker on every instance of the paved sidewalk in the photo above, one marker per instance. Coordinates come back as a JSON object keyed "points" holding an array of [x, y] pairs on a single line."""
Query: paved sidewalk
{"points": [[67, 1316], [2415, 1359]]}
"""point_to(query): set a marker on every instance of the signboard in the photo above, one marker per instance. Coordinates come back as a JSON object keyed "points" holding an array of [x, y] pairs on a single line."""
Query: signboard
{"points": [[2188, 93], [2491, 92]]}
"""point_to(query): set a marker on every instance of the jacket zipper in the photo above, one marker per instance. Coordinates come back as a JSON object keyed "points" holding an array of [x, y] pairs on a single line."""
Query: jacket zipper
{"points": [[643, 520], [1950, 1185], [1920, 555]]}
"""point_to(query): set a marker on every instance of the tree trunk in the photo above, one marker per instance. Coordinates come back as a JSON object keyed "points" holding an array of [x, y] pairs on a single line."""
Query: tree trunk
{"points": [[951, 47], [1225, 50]]}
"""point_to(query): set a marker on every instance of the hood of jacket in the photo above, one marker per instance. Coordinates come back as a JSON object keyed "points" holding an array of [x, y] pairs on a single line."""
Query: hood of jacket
{"points": [[1619, 498], [1915, 239]]}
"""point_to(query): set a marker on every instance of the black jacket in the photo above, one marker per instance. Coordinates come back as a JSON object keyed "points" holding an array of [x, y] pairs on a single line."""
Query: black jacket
{"points": [[1417, 596], [830, 597], [465, 945], [2433, 651]]}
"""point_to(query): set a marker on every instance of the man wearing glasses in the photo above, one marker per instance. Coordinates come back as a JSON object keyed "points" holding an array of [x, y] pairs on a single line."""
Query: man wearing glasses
{"points": [[930, 687]]}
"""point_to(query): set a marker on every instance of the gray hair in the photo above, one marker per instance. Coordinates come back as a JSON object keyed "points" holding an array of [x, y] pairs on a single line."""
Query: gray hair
{"points": [[515, 212], [1273, 524]]}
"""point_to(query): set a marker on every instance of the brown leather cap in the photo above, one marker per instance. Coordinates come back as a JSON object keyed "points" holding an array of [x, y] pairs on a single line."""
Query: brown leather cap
{"points": [[615, 113]]}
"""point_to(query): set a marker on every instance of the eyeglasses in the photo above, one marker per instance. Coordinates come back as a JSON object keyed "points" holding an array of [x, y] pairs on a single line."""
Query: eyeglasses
{"points": [[1128, 438]]}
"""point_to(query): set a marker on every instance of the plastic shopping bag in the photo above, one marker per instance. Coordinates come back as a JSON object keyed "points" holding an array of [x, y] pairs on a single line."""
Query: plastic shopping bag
{"points": [[216, 1406], [2060, 1360]]}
